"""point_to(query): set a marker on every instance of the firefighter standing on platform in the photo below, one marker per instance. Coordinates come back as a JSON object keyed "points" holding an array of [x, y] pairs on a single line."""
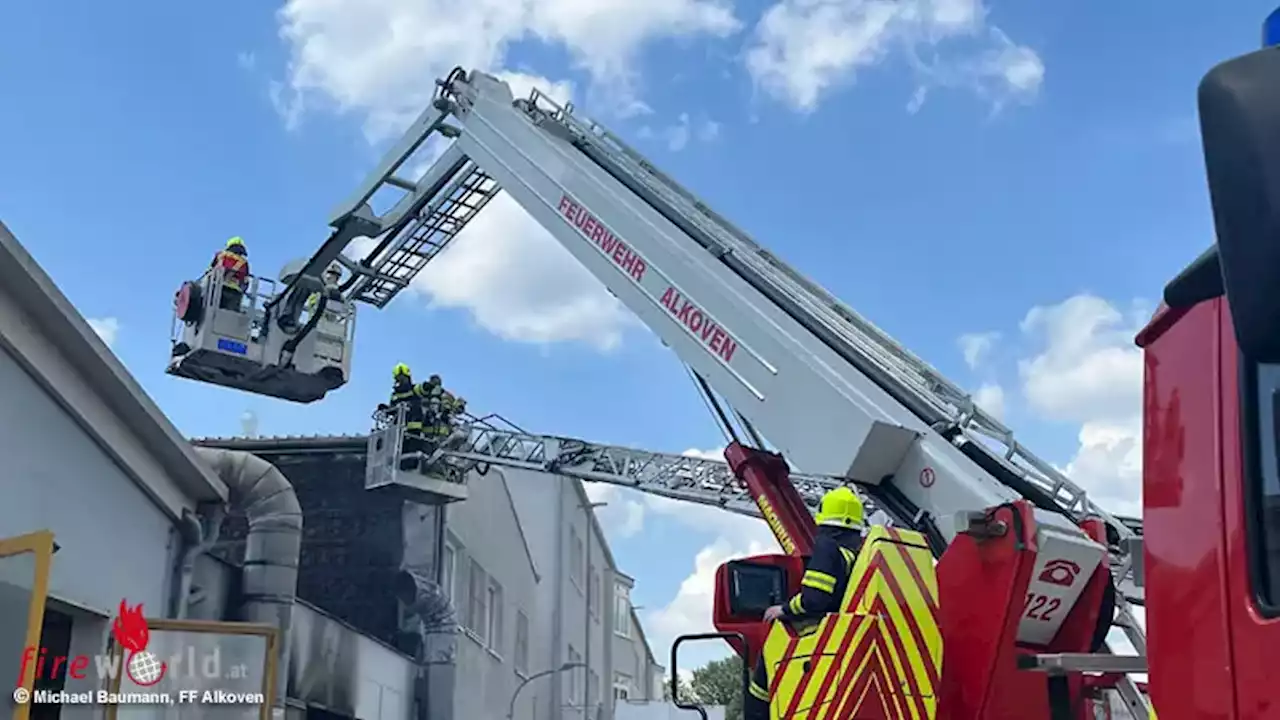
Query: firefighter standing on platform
{"points": [[234, 261], [440, 403], [332, 276], [412, 397], [835, 548]]}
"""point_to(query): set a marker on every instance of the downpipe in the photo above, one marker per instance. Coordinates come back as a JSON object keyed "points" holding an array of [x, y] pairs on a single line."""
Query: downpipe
{"points": [[272, 545]]}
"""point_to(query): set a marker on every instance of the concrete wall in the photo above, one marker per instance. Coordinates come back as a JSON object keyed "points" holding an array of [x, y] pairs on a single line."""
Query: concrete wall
{"points": [[486, 555]]}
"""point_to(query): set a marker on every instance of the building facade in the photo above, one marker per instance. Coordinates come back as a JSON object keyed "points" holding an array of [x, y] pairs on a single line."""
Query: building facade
{"points": [[593, 622], [637, 676], [89, 458], [532, 579]]}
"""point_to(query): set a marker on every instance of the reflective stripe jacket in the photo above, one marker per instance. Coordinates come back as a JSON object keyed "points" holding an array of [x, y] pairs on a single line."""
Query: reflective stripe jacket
{"points": [[404, 392], [825, 575], [235, 269]]}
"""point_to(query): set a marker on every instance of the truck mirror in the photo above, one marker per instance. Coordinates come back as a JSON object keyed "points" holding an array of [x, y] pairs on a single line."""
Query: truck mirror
{"points": [[1240, 127]]}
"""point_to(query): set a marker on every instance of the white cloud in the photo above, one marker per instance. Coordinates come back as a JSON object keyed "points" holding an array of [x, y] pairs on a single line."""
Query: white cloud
{"points": [[990, 397], [976, 347], [1088, 371], [802, 49], [677, 136], [519, 283], [1089, 368], [523, 85], [380, 58], [107, 328]]}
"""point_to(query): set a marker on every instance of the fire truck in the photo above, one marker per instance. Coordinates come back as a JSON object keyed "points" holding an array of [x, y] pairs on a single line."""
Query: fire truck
{"points": [[989, 586]]}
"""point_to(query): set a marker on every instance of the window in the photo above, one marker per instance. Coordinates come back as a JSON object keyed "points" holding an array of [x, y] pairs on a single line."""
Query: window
{"points": [[593, 592], [522, 643], [477, 605], [621, 686], [575, 557], [494, 627], [1261, 436], [593, 687], [622, 610]]}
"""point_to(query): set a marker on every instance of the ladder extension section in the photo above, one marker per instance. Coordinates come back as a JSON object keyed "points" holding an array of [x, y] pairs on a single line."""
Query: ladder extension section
{"points": [[408, 252], [679, 477]]}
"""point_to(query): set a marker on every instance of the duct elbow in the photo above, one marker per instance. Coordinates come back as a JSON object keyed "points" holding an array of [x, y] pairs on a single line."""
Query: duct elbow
{"points": [[273, 543]]}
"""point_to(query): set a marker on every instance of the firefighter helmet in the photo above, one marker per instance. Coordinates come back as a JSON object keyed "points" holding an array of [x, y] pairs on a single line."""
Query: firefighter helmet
{"points": [[400, 369], [841, 508], [434, 380], [235, 241]]}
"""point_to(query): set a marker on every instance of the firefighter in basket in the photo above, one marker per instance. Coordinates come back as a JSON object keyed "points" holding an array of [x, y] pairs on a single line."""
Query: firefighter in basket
{"points": [[835, 548], [332, 293], [452, 433], [415, 399], [234, 261]]}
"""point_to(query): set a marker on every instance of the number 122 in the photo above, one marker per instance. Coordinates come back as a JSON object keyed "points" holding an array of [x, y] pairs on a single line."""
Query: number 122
{"points": [[1040, 607]]}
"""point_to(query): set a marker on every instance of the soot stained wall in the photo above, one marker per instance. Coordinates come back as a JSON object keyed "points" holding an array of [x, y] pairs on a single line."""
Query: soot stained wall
{"points": [[351, 539]]}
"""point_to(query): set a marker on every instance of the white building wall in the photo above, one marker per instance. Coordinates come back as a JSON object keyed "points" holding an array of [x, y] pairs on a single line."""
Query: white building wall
{"points": [[87, 456], [494, 652]]}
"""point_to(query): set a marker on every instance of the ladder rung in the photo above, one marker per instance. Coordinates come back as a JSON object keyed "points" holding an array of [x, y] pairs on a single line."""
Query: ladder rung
{"points": [[402, 183]]}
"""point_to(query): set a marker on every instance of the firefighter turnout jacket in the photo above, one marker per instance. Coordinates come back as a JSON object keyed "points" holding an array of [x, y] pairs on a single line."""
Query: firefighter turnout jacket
{"points": [[825, 575], [235, 267], [405, 392]]}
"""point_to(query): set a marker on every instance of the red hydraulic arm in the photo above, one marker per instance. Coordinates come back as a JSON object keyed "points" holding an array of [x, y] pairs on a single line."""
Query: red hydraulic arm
{"points": [[768, 479]]}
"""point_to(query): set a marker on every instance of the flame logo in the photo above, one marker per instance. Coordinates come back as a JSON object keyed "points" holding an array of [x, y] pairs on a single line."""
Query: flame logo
{"points": [[131, 631]]}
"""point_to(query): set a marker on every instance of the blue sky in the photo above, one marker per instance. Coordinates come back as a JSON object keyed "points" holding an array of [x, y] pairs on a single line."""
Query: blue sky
{"points": [[1004, 187]]}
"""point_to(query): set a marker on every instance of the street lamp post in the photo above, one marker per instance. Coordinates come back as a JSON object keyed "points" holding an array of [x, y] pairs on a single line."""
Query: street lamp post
{"points": [[511, 711], [586, 575]]}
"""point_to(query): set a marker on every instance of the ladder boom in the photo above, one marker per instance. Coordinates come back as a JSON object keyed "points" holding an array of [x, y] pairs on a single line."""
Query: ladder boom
{"points": [[833, 393]]}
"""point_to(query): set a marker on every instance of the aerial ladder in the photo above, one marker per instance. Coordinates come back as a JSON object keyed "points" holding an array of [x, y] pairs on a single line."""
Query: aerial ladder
{"points": [[767, 347]]}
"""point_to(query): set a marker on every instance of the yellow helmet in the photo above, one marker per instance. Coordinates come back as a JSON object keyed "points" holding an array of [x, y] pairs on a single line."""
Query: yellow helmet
{"points": [[237, 240], [400, 369], [841, 508]]}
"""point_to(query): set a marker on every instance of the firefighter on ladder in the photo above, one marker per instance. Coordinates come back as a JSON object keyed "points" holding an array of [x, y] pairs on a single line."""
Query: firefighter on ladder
{"points": [[835, 548], [234, 261]]}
